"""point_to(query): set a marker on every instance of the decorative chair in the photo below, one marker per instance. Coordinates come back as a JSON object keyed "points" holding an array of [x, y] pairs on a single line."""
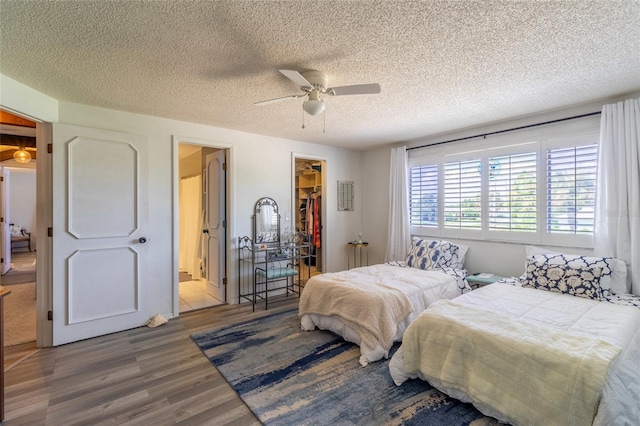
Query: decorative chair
{"points": [[20, 235]]}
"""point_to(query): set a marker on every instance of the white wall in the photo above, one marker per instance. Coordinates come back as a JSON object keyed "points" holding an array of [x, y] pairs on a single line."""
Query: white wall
{"points": [[17, 97], [22, 193], [259, 166], [484, 256]]}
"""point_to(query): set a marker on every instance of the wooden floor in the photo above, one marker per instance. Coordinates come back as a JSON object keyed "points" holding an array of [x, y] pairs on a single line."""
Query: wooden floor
{"points": [[143, 376]]}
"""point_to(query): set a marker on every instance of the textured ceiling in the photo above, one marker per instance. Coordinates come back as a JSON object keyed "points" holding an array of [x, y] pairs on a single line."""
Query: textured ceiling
{"points": [[441, 65]]}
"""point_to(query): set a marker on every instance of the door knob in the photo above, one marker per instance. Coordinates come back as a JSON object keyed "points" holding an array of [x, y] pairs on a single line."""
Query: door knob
{"points": [[142, 240], [205, 231]]}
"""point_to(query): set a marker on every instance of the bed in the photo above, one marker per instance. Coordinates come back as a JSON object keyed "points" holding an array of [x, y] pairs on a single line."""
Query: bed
{"points": [[552, 347], [372, 306]]}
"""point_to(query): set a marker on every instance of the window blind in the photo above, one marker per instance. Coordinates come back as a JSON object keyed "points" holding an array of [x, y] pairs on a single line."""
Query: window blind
{"points": [[512, 192], [571, 189]]}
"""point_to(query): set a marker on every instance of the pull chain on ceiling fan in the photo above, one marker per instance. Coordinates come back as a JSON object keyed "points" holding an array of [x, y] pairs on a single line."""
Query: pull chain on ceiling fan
{"points": [[313, 85]]}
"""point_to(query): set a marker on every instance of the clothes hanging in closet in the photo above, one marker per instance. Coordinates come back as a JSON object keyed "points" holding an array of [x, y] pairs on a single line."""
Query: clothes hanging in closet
{"points": [[313, 219], [317, 227]]}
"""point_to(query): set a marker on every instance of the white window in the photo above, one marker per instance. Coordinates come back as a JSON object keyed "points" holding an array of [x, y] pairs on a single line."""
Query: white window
{"points": [[423, 195], [463, 194], [535, 192], [512, 192], [571, 189]]}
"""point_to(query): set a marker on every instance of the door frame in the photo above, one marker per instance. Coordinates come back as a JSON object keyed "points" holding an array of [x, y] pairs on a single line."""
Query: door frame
{"points": [[44, 221], [324, 235], [229, 203]]}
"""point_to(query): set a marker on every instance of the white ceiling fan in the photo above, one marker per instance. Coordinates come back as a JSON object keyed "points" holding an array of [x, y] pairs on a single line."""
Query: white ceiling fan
{"points": [[314, 86]]}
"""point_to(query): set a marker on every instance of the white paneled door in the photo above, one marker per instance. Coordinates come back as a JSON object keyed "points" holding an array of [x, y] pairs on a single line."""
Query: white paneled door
{"points": [[100, 239], [215, 223]]}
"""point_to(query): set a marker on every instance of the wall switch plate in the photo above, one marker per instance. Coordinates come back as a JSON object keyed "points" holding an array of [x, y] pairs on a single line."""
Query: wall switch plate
{"points": [[286, 217]]}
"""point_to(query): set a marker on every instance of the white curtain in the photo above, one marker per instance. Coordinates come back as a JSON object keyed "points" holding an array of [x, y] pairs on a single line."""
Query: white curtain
{"points": [[617, 228], [190, 226], [399, 234]]}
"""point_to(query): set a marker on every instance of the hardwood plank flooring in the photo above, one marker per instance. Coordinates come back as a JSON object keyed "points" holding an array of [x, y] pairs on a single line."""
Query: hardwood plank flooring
{"points": [[141, 376]]}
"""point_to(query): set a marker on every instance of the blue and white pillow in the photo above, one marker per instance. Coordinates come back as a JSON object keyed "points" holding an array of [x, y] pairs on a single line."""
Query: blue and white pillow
{"points": [[454, 257], [577, 278], [615, 282], [432, 254]]}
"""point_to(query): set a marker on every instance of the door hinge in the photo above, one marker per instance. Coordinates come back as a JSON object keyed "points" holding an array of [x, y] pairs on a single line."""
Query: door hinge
{"points": [[224, 281], [224, 223], [1, 219], [50, 315], [1, 178], [49, 148], [224, 166], [1, 259], [50, 232]]}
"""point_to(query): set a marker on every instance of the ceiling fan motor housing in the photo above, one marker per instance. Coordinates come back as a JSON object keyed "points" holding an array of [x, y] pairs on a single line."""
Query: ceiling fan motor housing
{"points": [[318, 79]]}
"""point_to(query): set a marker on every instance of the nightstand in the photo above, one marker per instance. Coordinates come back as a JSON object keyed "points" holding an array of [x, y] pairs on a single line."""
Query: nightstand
{"points": [[482, 279], [357, 245]]}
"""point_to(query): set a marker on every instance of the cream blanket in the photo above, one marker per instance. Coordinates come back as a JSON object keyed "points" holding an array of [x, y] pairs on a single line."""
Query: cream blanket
{"points": [[370, 304], [534, 376]]}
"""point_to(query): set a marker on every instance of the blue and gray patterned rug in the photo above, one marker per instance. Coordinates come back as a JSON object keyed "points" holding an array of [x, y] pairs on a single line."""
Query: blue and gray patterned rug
{"points": [[291, 377]]}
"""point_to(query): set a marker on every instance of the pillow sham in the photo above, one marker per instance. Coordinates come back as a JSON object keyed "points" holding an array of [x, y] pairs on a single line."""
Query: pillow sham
{"points": [[615, 282], [425, 254], [452, 258], [434, 254], [580, 281], [16, 231]]}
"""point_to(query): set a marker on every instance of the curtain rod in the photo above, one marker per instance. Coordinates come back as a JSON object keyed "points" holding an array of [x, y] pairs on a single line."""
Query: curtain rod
{"points": [[484, 135]]}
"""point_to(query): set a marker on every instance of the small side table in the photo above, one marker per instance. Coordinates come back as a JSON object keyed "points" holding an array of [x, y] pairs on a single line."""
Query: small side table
{"points": [[355, 246], [481, 279]]}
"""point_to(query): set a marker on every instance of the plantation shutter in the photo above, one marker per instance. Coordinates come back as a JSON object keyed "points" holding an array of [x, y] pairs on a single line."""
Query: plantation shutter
{"points": [[512, 192], [462, 195], [423, 195], [571, 189]]}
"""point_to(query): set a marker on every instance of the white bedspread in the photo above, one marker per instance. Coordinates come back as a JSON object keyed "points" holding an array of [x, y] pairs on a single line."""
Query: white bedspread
{"points": [[528, 356], [372, 306]]}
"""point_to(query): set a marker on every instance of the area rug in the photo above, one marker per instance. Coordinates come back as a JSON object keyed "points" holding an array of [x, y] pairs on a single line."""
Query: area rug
{"points": [[291, 377], [20, 314]]}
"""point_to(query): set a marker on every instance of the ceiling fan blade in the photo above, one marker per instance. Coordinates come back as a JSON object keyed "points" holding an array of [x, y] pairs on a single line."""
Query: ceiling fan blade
{"points": [[357, 89], [296, 77], [271, 101]]}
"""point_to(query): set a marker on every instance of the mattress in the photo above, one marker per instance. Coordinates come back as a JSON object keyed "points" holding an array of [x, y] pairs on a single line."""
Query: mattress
{"points": [[558, 313], [358, 287]]}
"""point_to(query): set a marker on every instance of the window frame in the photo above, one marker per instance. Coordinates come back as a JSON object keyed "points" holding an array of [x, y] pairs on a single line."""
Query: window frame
{"points": [[505, 145]]}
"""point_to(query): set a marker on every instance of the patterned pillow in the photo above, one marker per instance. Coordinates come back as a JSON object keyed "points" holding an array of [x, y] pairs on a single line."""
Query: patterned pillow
{"points": [[574, 261], [16, 231], [616, 282], [430, 254], [451, 257], [581, 281]]}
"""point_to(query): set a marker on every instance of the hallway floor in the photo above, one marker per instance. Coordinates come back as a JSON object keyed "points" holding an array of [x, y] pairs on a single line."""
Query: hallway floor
{"points": [[193, 295]]}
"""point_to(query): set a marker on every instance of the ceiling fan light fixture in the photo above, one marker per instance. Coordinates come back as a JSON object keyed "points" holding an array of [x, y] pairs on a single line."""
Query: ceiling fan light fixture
{"points": [[22, 156], [313, 106]]}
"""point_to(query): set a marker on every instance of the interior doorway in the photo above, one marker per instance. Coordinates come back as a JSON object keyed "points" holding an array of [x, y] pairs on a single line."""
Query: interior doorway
{"points": [[19, 232], [310, 217], [201, 260]]}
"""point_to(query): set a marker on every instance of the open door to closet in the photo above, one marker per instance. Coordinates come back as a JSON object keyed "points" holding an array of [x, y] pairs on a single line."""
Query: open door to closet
{"points": [[309, 178]]}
